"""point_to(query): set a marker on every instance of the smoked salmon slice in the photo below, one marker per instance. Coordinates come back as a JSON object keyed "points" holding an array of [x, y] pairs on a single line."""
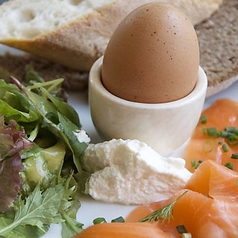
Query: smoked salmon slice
{"points": [[207, 209], [213, 139], [123, 230]]}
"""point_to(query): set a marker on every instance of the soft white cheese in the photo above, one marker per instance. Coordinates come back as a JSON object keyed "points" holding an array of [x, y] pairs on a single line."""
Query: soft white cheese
{"points": [[131, 172]]}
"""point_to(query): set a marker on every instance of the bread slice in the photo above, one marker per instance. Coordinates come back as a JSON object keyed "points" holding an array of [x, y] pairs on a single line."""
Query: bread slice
{"points": [[218, 38], [15, 65], [75, 33]]}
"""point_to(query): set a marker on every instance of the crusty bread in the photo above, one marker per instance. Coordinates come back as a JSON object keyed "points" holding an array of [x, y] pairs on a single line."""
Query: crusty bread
{"points": [[75, 33], [218, 38]]}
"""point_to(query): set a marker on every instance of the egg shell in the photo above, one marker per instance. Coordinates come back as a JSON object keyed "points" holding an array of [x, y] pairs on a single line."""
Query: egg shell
{"points": [[153, 56]]}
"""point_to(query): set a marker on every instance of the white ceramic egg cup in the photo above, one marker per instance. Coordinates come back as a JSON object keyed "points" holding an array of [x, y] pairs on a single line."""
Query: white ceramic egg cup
{"points": [[163, 126]]}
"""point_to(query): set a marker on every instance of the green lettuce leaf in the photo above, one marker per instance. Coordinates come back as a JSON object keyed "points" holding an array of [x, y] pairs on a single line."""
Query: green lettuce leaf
{"points": [[49, 193], [38, 211]]}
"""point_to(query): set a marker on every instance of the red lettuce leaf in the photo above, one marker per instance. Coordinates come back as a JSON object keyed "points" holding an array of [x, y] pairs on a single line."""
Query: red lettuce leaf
{"points": [[12, 141]]}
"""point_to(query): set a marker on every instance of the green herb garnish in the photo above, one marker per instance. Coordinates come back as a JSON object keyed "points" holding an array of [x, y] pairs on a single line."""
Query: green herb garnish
{"points": [[229, 133], [118, 219], [234, 156], [224, 147], [196, 164], [100, 220], [209, 146], [181, 229], [165, 213], [203, 119], [229, 165]]}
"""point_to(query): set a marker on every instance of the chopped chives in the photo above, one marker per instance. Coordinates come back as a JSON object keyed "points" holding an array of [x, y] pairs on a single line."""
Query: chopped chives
{"points": [[226, 134], [203, 119], [232, 130], [181, 229], [233, 140], [224, 147], [234, 156], [204, 130], [208, 146], [212, 131], [229, 133], [196, 164], [99, 220], [118, 219], [229, 165]]}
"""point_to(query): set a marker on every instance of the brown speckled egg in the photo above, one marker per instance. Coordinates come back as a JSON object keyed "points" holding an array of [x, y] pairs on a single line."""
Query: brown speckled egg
{"points": [[153, 56]]}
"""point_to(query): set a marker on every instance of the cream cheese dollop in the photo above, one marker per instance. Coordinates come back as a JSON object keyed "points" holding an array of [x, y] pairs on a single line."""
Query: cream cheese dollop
{"points": [[131, 172]]}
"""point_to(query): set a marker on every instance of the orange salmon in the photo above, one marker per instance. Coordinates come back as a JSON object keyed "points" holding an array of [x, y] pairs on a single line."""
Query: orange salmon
{"points": [[213, 138]]}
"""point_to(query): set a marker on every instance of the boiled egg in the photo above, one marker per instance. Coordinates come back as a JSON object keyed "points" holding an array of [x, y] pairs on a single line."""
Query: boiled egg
{"points": [[153, 56]]}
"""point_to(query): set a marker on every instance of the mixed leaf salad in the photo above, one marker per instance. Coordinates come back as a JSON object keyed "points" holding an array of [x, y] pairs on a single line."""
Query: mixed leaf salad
{"points": [[41, 143]]}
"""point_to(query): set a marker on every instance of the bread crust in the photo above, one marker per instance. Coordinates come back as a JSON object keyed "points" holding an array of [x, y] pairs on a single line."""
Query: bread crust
{"points": [[78, 43], [218, 39]]}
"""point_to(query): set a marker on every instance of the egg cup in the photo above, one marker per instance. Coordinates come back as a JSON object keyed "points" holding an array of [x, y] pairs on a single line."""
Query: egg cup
{"points": [[163, 126]]}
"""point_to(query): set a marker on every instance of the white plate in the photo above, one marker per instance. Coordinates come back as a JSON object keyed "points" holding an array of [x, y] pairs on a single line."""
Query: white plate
{"points": [[90, 208]]}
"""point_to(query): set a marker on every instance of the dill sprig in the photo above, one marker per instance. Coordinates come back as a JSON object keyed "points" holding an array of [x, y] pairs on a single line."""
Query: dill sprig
{"points": [[165, 213]]}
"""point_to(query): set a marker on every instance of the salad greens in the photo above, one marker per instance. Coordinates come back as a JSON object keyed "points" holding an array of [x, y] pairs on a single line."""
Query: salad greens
{"points": [[41, 177]]}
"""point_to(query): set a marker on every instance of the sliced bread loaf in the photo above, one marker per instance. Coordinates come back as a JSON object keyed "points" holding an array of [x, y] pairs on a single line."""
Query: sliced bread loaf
{"points": [[12, 64], [218, 38], [75, 33]]}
